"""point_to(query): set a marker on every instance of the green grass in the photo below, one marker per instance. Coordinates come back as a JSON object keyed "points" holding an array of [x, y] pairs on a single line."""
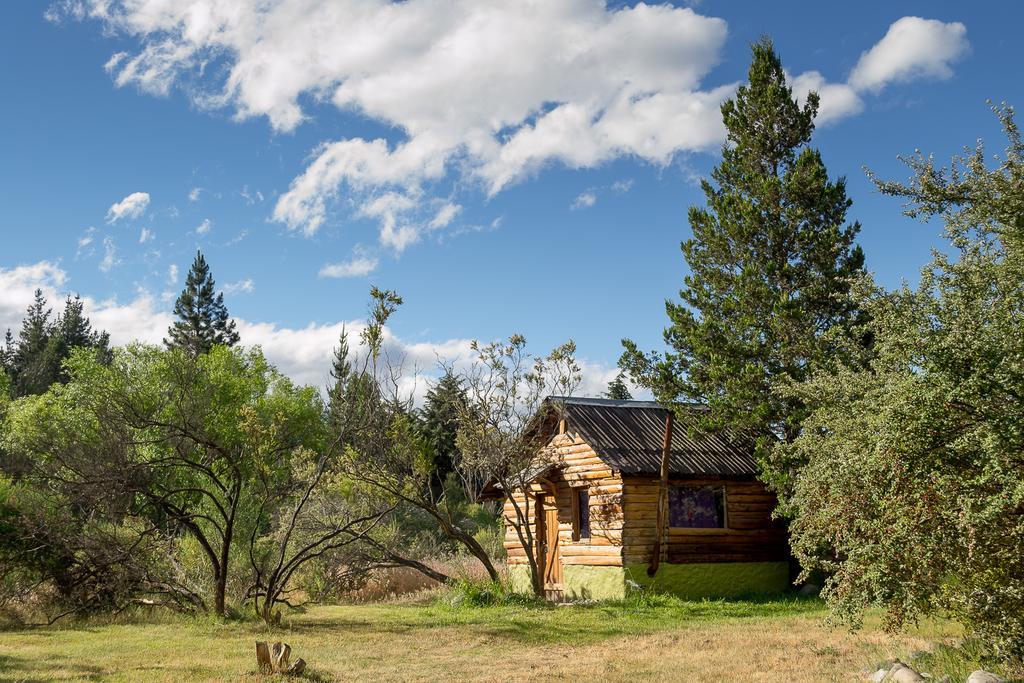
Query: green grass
{"points": [[648, 638]]}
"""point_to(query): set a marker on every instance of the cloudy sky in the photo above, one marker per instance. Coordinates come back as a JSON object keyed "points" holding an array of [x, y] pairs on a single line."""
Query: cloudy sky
{"points": [[506, 166]]}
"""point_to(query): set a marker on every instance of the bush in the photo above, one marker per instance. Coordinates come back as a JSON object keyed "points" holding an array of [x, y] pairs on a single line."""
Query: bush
{"points": [[466, 594]]}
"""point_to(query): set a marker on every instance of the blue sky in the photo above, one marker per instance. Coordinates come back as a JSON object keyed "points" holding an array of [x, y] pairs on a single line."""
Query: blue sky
{"points": [[505, 167]]}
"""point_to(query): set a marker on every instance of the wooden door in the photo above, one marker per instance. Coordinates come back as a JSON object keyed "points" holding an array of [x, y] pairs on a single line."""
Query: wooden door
{"points": [[552, 553]]}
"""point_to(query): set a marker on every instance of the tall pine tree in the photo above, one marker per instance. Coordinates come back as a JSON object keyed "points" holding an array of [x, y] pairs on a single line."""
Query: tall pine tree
{"points": [[617, 389], [445, 402], [31, 371], [771, 262], [34, 360], [203, 320], [72, 330], [341, 376]]}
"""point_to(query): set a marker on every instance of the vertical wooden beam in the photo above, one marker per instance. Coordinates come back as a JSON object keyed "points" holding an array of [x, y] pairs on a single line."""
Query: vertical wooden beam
{"points": [[662, 521], [574, 496]]}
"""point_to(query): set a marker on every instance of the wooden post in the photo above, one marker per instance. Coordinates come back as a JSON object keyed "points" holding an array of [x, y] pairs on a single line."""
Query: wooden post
{"points": [[666, 449]]}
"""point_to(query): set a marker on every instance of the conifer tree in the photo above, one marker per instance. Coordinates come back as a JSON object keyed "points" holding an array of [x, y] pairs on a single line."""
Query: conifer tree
{"points": [[341, 375], [7, 353], [770, 262], [203, 319], [617, 389], [29, 372], [445, 402], [35, 360], [72, 330]]}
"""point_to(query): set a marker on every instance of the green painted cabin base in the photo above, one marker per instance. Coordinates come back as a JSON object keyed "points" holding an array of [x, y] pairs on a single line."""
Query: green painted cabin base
{"points": [[713, 579], [690, 581]]}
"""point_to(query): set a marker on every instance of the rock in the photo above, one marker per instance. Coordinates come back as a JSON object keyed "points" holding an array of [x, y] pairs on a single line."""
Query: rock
{"points": [[901, 673], [809, 590], [878, 676], [982, 676]]}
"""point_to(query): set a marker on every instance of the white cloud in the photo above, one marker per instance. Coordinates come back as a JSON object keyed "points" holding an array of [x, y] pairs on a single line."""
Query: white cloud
{"points": [[394, 211], [302, 353], [360, 265], [204, 227], [18, 286], [132, 206], [146, 235], [444, 216], [251, 197], [622, 186], [912, 48], [837, 100], [172, 274], [109, 255], [246, 286], [85, 242], [237, 238], [460, 78], [585, 200], [481, 93], [193, 194]]}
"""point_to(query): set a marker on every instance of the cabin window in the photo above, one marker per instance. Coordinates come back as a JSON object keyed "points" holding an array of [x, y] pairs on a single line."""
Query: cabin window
{"points": [[696, 507], [580, 514]]}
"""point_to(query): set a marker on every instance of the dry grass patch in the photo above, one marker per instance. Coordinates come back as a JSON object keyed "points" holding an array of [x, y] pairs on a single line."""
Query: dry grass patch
{"points": [[776, 641]]}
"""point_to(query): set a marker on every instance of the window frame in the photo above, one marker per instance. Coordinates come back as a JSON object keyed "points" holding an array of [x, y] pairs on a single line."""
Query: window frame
{"points": [[718, 489], [578, 535]]}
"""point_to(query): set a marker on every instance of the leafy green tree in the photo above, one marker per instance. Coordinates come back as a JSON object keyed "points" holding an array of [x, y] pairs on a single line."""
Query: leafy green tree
{"points": [[203, 319], [507, 388], [913, 494], [770, 265], [171, 443], [391, 458], [617, 389]]}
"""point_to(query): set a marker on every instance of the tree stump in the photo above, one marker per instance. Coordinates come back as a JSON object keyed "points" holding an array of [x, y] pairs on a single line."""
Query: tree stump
{"points": [[274, 659], [263, 664]]}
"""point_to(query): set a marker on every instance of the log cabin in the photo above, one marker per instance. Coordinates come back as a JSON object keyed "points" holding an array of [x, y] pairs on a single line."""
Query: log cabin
{"points": [[628, 494]]}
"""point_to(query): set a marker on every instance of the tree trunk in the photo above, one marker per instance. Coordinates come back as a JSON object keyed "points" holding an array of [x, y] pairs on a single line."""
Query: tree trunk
{"points": [[479, 553], [220, 590]]}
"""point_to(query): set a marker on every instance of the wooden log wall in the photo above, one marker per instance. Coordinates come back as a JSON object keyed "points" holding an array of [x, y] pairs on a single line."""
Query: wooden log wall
{"points": [[751, 534], [578, 466]]}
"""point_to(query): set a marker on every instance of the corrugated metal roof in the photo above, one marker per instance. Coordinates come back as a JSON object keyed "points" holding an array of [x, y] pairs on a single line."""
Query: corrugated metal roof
{"points": [[628, 435]]}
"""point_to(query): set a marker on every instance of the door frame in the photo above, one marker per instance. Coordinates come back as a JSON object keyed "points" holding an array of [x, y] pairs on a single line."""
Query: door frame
{"points": [[545, 501]]}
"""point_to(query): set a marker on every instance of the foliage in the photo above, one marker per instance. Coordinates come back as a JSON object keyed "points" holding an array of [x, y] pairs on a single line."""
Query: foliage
{"points": [[770, 263], [466, 594], [392, 455], [77, 563], [35, 360], [912, 495], [514, 397], [617, 389], [203, 321], [445, 401], [170, 443]]}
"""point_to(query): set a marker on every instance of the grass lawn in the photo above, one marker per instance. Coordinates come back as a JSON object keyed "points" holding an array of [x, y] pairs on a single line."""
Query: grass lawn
{"points": [[783, 640]]}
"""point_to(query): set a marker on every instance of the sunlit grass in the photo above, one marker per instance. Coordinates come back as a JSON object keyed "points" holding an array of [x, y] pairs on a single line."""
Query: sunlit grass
{"points": [[781, 639]]}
